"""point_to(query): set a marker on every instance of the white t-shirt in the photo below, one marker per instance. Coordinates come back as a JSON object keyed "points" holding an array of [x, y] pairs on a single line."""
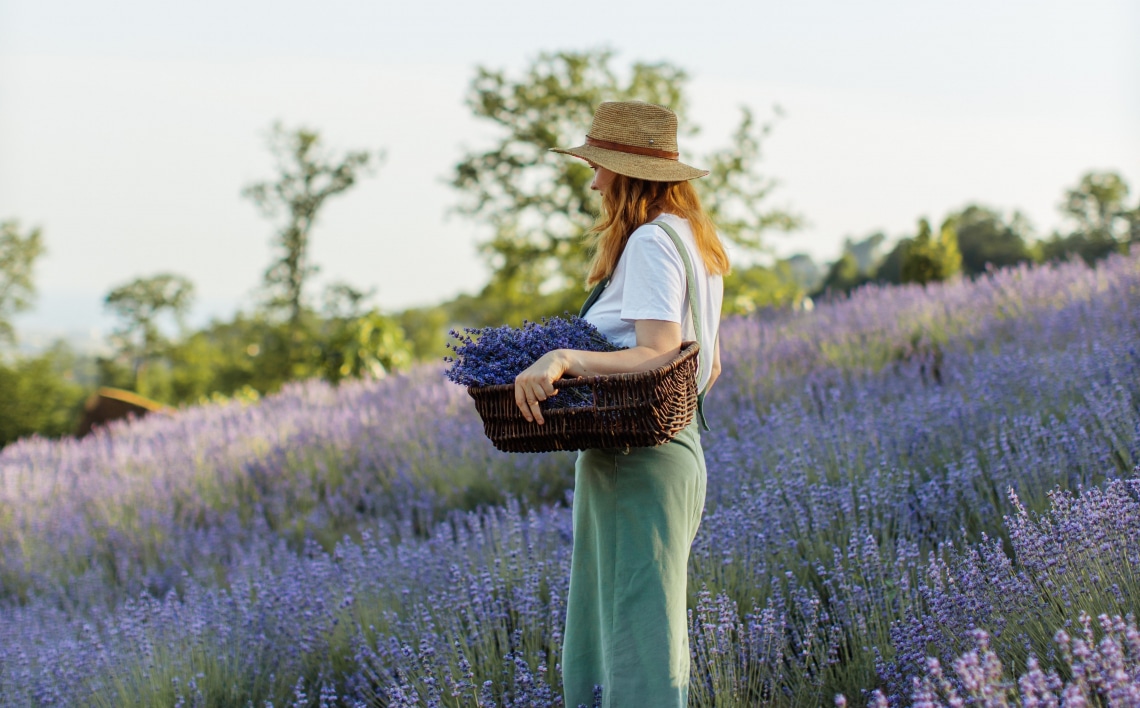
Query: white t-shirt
{"points": [[649, 284]]}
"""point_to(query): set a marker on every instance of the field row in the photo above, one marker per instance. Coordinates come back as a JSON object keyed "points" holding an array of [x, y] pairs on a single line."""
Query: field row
{"points": [[876, 471]]}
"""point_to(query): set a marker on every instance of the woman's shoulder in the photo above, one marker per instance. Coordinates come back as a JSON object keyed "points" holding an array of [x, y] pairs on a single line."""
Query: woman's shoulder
{"points": [[653, 231], [649, 244], [652, 237]]}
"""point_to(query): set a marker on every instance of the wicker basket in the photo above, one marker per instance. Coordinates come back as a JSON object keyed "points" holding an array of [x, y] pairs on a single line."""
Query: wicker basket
{"points": [[635, 410]]}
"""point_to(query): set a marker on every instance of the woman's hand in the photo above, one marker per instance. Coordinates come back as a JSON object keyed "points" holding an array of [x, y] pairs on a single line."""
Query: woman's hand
{"points": [[536, 383], [658, 341]]}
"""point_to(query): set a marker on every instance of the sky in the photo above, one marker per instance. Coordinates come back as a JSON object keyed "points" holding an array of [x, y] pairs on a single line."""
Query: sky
{"points": [[128, 128]]}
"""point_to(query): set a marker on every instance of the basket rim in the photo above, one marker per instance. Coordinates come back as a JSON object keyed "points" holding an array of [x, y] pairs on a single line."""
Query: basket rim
{"points": [[688, 349]]}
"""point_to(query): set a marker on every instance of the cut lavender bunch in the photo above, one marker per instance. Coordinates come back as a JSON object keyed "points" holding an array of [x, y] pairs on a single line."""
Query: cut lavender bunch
{"points": [[489, 356]]}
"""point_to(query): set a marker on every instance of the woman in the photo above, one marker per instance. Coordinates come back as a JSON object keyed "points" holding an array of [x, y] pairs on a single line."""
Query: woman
{"points": [[636, 511]]}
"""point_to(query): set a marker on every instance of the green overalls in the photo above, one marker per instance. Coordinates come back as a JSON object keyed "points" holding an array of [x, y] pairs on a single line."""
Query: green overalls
{"points": [[636, 512]]}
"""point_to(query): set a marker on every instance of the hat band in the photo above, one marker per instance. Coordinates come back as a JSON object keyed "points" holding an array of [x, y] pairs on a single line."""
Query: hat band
{"points": [[632, 149]]}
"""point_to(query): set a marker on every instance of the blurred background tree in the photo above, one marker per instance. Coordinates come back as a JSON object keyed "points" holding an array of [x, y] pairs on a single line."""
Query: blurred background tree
{"points": [[1103, 223], [539, 205], [928, 259], [986, 240], [843, 276], [759, 287], [306, 178], [18, 254], [285, 338], [856, 265], [38, 394], [785, 283], [343, 342], [889, 269], [356, 342], [425, 328], [41, 394], [139, 339]]}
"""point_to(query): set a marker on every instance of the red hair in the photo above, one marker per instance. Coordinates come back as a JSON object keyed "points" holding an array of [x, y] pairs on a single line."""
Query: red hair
{"points": [[630, 202]]}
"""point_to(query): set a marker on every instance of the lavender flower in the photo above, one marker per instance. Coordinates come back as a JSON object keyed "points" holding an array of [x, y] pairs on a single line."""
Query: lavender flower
{"points": [[496, 355], [1103, 673]]}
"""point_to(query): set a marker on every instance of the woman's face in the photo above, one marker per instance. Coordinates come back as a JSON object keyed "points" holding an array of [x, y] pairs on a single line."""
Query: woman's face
{"points": [[603, 178]]}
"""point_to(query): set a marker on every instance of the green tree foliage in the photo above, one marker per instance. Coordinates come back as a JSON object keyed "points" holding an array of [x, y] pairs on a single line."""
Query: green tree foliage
{"points": [[248, 352], [843, 276], [986, 239], [759, 287], [539, 206], [40, 395], [855, 266], [346, 340], [140, 305], [426, 330], [357, 343], [287, 340], [18, 254], [1103, 223], [258, 353], [1098, 206], [890, 269], [306, 178], [369, 345], [928, 259]]}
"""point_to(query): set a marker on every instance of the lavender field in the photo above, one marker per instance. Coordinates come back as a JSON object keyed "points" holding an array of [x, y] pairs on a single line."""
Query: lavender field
{"points": [[915, 496]]}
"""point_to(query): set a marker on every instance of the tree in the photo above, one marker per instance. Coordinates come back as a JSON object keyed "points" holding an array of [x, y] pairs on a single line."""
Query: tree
{"points": [[539, 205], [1103, 223], [986, 239], [18, 255], [856, 265], [140, 305], [306, 179], [426, 330], [40, 395], [890, 269], [368, 345], [355, 342], [1098, 206], [256, 354], [225, 357], [928, 259], [843, 276], [759, 286]]}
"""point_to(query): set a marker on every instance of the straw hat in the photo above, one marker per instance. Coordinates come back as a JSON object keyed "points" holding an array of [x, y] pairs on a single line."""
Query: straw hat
{"points": [[635, 139]]}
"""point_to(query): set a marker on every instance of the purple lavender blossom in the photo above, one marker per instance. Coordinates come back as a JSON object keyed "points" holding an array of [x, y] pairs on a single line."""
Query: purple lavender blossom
{"points": [[1104, 672], [496, 355]]}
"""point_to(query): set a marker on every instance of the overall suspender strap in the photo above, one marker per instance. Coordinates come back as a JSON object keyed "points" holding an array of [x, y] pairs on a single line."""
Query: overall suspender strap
{"points": [[690, 282], [594, 295]]}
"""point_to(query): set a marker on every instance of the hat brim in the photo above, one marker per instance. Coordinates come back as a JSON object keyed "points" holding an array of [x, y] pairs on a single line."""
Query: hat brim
{"points": [[653, 169]]}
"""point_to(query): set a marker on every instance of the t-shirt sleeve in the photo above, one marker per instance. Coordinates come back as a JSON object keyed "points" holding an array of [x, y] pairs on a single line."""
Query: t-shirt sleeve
{"points": [[654, 279]]}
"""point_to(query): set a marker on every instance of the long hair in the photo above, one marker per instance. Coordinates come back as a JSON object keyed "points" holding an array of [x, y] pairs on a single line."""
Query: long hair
{"points": [[630, 202]]}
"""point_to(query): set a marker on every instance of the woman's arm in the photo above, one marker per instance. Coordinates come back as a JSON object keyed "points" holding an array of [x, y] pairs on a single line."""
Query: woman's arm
{"points": [[658, 342]]}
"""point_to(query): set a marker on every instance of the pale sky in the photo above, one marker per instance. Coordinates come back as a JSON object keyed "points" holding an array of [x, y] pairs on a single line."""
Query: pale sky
{"points": [[128, 128]]}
